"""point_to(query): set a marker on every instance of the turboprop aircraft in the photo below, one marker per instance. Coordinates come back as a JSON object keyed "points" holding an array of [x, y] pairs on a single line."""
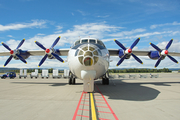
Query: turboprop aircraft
{"points": [[88, 58]]}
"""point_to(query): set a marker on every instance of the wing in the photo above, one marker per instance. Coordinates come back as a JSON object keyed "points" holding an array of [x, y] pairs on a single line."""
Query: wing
{"points": [[115, 52], [60, 52], [160, 55]]}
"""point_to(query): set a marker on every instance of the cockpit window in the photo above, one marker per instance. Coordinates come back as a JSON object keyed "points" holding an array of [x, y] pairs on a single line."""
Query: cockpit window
{"points": [[77, 42], [100, 43], [76, 52], [92, 41], [84, 41]]}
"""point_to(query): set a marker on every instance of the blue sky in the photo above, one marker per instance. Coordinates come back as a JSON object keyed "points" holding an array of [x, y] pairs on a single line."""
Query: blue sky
{"points": [[155, 21]]}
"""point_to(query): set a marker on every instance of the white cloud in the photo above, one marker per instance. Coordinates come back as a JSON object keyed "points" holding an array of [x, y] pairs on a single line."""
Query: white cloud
{"points": [[105, 16], [127, 33], [97, 30], [82, 13], [166, 24], [18, 26]]}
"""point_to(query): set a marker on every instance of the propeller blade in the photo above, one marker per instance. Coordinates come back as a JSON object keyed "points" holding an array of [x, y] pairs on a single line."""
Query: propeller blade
{"points": [[136, 58], [157, 63], [55, 42], [7, 47], [135, 43], [21, 58], [121, 60], [8, 60], [43, 59], [57, 57], [169, 44], [40, 45], [120, 45], [155, 47], [174, 60], [20, 44]]}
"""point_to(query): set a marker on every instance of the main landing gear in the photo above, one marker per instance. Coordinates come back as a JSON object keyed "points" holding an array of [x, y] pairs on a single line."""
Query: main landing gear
{"points": [[105, 79], [72, 79]]}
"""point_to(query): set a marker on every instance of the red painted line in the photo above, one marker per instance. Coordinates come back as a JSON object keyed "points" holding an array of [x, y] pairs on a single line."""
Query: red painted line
{"points": [[83, 116], [101, 102], [104, 119], [104, 112], [84, 101], [84, 109], [75, 114], [99, 99], [102, 106], [84, 104], [98, 96], [107, 104]]}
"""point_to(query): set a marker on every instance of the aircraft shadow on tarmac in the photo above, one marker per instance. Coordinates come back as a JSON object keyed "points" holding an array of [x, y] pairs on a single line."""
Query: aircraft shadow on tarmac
{"points": [[50, 84], [130, 91]]}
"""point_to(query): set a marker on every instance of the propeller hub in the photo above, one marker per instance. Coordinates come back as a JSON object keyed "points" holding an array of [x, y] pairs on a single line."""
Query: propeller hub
{"points": [[166, 52], [129, 51], [11, 52], [47, 50]]}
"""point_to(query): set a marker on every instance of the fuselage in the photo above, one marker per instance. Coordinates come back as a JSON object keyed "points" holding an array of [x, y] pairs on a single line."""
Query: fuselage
{"points": [[88, 54]]}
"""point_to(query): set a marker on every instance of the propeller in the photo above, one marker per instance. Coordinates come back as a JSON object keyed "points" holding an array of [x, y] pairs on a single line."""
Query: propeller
{"points": [[14, 53], [128, 51], [163, 53], [49, 51]]}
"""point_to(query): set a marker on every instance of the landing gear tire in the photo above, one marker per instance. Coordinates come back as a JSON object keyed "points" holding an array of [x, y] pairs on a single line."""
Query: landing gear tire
{"points": [[73, 81], [105, 81], [70, 81]]}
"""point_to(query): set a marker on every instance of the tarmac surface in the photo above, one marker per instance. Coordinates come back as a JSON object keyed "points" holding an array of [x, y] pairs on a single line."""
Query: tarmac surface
{"points": [[54, 99]]}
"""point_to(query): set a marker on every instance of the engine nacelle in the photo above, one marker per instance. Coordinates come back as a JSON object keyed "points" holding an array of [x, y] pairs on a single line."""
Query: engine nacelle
{"points": [[23, 53], [121, 54], [155, 55]]}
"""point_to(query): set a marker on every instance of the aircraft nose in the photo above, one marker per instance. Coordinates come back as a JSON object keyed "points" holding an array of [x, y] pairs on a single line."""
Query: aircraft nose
{"points": [[88, 55]]}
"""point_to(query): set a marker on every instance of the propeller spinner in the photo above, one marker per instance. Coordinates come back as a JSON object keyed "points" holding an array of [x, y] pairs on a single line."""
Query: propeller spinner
{"points": [[49, 51], [163, 53], [128, 51]]}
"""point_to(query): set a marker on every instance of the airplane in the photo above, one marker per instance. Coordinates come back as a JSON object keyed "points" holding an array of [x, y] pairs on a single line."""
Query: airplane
{"points": [[88, 58]]}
